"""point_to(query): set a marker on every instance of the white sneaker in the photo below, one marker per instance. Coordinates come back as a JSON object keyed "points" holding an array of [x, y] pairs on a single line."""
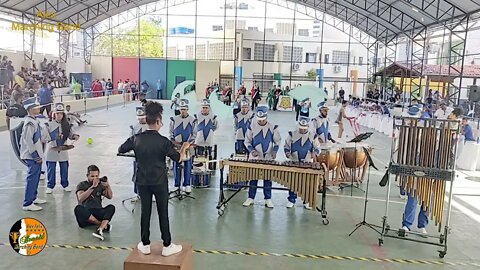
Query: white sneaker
{"points": [[98, 234], [182, 188], [248, 202], [406, 229], [143, 249], [423, 232], [307, 206], [175, 189], [32, 207], [49, 191], [42, 176], [290, 204], [188, 189], [170, 250], [39, 201], [268, 203], [135, 199], [403, 197], [67, 189]]}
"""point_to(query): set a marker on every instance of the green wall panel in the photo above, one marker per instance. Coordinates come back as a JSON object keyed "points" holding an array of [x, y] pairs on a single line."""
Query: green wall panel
{"points": [[178, 68]]}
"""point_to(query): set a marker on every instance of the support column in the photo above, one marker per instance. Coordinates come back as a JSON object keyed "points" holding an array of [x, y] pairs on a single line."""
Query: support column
{"points": [[88, 39], [28, 37], [64, 42], [457, 41]]}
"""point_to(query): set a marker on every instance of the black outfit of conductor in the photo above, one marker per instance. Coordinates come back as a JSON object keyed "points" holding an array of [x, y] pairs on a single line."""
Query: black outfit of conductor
{"points": [[150, 150], [92, 205]]}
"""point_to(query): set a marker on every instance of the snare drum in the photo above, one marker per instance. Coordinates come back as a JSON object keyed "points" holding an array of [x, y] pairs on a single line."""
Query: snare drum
{"points": [[330, 156], [354, 158], [201, 179]]}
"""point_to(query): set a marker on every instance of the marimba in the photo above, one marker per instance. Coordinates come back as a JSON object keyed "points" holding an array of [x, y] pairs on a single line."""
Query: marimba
{"points": [[304, 178]]}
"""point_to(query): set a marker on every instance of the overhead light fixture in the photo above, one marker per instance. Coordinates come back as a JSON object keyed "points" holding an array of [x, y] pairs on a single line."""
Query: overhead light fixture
{"points": [[415, 9]]}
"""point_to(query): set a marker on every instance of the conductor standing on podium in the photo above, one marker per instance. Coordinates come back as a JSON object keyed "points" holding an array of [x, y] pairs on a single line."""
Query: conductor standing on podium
{"points": [[150, 150]]}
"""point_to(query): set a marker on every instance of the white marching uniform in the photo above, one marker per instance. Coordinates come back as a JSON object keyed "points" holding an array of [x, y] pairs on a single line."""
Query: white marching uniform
{"points": [[206, 126], [242, 121], [321, 127], [265, 140]]}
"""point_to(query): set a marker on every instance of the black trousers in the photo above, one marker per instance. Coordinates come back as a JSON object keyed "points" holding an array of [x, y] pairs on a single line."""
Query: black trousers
{"points": [[48, 108], [82, 214], [297, 111], [161, 195]]}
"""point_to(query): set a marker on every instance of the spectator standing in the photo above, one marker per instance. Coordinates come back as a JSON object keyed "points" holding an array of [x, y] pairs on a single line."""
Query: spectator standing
{"points": [[159, 89], [109, 86], [45, 95]]}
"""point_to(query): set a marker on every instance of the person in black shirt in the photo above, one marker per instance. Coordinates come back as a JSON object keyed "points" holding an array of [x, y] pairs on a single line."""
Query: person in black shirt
{"points": [[151, 150], [16, 109], [89, 196]]}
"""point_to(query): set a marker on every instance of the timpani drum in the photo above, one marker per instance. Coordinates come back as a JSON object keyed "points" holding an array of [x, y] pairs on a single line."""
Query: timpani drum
{"points": [[330, 156], [354, 157]]}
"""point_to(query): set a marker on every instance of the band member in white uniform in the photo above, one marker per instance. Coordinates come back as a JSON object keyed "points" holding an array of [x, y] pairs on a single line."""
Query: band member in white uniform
{"points": [[206, 125], [138, 128], [183, 128], [320, 125], [60, 131], [262, 141], [31, 151], [243, 119], [301, 145]]}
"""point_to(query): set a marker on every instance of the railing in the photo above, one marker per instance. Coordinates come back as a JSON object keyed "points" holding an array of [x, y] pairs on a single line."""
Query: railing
{"points": [[6, 100]]}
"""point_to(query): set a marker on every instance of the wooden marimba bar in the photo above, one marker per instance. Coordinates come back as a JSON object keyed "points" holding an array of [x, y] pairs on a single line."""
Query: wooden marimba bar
{"points": [[303, 178]]}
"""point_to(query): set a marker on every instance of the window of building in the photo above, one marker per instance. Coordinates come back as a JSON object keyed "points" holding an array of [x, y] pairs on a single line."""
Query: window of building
{"points": [[229, 51], [311, 57], [303, 32], [247, 53], [340, 58], [326, 58], [360, 60], [215, 51], [297, 54], [189, 52], [172, 52], [201, 51], [264, 52]]}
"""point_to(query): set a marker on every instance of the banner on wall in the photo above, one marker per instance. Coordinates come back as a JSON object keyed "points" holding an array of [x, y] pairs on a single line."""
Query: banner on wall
{"points": [[285, 103], [85, 79]]}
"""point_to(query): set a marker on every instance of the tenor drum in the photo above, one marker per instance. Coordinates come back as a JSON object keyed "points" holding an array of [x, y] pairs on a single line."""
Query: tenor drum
{"points": [[330, 156], [201, 179], [354, 157]]}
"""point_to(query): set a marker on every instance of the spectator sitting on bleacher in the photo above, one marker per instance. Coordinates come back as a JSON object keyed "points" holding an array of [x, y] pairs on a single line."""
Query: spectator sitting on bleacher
{"points": [[34, 66], [43, 65]]}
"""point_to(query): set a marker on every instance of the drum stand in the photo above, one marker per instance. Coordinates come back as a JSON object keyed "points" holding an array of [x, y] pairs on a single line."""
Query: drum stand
{"points": [[130, 155], [178, 193], [364, 221]]}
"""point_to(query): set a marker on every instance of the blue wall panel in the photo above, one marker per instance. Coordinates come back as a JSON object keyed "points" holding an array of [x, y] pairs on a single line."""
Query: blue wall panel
{"points": [[153, 70]]}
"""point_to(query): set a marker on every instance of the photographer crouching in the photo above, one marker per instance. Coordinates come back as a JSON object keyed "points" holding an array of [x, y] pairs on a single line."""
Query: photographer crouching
{"points": [[89, 196]]}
